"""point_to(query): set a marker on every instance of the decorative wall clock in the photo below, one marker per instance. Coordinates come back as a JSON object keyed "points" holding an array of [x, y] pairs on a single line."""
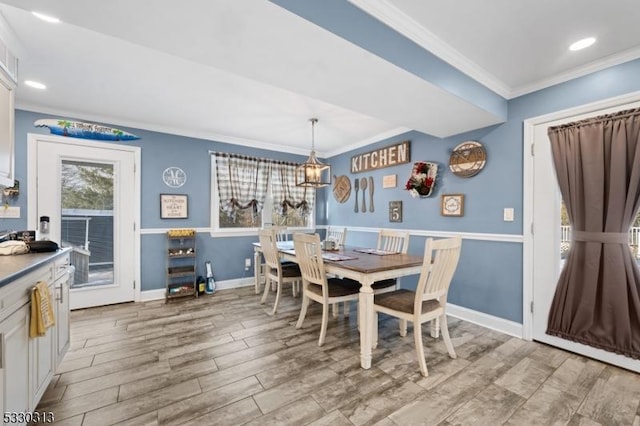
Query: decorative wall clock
{"points": [[467, 159], [174, 177]]}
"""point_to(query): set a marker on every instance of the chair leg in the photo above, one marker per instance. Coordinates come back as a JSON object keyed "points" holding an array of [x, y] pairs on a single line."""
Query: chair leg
{"points": [[435, 327], [403, 327], [293, 289], [445, 336], [335, 307], [325, 321], [260, 271], [346, 307], [275, 305], [375, 330], [303, 310], [417, 336], [267, 284]]}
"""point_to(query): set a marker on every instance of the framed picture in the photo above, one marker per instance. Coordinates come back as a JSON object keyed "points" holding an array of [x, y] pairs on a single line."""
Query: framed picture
{"points": [[395, 211], [173, 206], [452, 204]]}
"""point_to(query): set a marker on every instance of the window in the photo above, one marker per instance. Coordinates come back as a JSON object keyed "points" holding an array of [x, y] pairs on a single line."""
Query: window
{"points": [[248, 192]]}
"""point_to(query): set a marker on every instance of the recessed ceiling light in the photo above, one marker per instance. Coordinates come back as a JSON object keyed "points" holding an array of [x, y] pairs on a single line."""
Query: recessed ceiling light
{"points": [[46, 18], [35, 84], [581, 44]]}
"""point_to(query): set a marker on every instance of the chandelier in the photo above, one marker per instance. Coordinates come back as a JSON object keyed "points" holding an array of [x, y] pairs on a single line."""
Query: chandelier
{"points": [[313, 173]]}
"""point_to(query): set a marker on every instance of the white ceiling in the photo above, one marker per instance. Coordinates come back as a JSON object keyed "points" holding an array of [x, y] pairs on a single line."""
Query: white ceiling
{"points": [[253, 73]]}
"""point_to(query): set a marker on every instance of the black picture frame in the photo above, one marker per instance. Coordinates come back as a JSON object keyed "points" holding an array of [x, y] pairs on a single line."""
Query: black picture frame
{"points": [[174, 206], [395, 211]]}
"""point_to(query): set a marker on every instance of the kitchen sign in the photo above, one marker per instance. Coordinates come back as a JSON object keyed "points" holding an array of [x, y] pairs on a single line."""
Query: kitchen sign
{"points": [[380, 158]]}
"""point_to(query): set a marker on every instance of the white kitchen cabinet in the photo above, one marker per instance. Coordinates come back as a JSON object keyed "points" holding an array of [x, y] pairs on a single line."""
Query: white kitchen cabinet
{"points": [[64, 274], [27, 365], [14, 338], [42, 357]]}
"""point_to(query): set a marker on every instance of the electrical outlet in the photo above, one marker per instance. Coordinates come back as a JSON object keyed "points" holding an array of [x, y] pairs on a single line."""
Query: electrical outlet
{"points": [[247, 264]]}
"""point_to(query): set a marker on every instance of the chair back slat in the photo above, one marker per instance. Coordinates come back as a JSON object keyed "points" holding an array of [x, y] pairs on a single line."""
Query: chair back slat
{"points": [[337, 234], [440, 262], [309, 258], [282, 233], [396, 241]]}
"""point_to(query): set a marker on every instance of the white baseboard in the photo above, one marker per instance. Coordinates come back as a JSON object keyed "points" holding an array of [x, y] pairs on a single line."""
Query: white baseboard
{"points": [[154, 294], [485, 320], [158, 293], [235, 283]]}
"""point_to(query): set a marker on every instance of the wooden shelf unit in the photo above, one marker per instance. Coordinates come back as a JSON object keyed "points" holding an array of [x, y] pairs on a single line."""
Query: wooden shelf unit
{"points": [[181, 264]]}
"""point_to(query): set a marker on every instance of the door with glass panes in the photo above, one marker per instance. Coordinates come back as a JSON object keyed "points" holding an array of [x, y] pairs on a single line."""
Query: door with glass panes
{"points": [[87, 190]]}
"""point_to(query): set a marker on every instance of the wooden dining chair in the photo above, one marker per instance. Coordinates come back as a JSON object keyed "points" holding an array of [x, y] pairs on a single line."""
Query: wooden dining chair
{"points": [[388, 240], [282, 233], [395, 241], [336, 234], [276, 272], [429, 301], [316, 286]]}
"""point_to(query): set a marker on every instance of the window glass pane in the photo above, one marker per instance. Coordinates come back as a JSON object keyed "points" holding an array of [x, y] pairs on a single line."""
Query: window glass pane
{"points": [[243, 219], [87, 221], [270, 215], [565, 235]]}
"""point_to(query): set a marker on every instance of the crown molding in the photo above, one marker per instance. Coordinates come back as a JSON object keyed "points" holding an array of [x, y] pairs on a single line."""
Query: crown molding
{"points": [[210, 136], [390, 15], [599, 65], [387, 13], [373, 139]]}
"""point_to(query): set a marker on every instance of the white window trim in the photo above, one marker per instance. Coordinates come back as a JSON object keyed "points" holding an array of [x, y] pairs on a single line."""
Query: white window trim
{"points": [[216, 231]]}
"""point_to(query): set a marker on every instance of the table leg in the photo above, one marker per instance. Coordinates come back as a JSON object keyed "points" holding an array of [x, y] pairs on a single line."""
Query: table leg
{"points": [[366, 325], [256, 270]]}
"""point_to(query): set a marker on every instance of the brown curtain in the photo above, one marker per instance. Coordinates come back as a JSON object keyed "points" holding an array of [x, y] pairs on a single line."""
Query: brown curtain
{"points": [[597, 300]]}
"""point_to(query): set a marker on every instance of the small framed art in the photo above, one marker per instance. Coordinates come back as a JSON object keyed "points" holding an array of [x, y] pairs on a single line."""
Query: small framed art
{"points": [[174, 206], [395, 211], [452, 205]]}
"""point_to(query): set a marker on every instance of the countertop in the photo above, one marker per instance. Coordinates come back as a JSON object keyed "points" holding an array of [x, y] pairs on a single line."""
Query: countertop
{"points": [[13, 267]]}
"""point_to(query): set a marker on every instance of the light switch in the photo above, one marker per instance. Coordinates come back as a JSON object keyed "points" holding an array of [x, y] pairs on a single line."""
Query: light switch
{"points": [[508, 214]]}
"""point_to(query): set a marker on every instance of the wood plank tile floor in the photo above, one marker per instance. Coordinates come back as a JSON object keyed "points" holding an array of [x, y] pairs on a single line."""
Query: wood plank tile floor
{"points": [[223, 360]]}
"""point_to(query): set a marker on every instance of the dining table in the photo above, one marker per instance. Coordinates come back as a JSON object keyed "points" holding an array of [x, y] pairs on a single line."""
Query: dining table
{"points": [[365, 265]]}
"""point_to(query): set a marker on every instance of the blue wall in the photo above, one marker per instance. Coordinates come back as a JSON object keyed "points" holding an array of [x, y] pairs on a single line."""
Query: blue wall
{"points": [[489, 278], [159, 151]]}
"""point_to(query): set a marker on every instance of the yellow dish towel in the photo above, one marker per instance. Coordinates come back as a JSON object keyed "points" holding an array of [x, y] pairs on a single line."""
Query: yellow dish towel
{"points": [[41, 310]]}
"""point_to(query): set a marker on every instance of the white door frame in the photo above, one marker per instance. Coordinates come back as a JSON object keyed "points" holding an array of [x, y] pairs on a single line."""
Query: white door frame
{"points": [[528, 205], [32, 170]]}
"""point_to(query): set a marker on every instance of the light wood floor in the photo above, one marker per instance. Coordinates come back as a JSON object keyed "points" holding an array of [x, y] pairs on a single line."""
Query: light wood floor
{"points": [[223, 360]]}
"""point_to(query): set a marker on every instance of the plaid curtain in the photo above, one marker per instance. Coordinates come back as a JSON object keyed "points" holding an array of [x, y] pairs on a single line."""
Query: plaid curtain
{"points": [[286, 195], [242, 183]]}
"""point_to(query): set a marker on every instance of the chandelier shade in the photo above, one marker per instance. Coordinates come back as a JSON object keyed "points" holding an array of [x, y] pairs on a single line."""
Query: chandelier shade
{"points": [[313, 173]]}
